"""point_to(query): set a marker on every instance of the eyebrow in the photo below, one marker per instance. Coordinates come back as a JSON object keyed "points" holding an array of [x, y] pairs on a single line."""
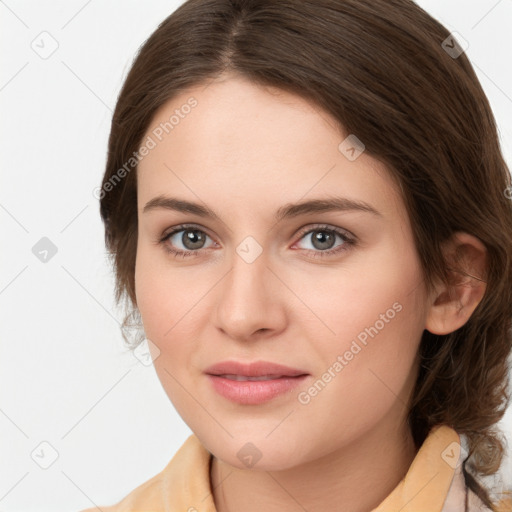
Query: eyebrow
{"points": [[286, 211]]}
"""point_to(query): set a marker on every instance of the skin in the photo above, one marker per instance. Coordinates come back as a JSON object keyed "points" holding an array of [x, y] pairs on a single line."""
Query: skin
{"points": [[245, 151]]}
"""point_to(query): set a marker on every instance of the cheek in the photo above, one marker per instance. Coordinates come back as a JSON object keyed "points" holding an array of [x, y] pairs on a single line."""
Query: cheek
{"points": [[361, 384], [168, 314], [375, 315], [164, 296], [171, 304], [376, 295]]}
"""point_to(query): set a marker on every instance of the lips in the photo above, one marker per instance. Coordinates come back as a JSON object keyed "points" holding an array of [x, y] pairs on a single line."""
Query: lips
{"points": [[252, 379], [253, 383], [253, 369]]}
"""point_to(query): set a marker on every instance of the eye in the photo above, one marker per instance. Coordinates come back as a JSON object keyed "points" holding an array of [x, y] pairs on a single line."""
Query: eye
{"points": [[190, 238], [323, 238]]}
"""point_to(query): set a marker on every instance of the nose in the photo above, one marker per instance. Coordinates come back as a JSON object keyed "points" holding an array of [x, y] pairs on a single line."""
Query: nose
{"points": [[250, 301]]}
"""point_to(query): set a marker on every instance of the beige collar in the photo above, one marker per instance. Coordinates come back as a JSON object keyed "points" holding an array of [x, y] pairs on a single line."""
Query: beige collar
{"points": [[433, 483]]}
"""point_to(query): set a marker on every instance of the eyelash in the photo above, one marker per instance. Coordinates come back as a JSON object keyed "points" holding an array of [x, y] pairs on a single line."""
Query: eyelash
{"points": [[348, 241]]}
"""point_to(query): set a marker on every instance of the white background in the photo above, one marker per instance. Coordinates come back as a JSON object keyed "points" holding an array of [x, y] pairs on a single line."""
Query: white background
{"points": [[66, 377]]}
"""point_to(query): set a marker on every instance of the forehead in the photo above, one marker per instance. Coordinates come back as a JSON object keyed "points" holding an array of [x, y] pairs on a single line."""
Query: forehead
{"points": [[255, 146]]}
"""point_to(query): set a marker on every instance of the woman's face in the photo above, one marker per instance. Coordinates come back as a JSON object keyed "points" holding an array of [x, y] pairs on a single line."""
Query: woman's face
{"points": [[333, 292]]}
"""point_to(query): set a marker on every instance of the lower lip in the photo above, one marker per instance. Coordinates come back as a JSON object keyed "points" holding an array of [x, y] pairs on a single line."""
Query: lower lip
{"points": [[253, 392]]}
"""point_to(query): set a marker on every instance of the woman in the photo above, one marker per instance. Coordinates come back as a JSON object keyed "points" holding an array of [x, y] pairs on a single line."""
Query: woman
{"points": [[307, 205]]}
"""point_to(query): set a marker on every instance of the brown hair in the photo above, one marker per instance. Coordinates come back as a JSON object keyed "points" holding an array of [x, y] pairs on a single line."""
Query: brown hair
{"points": [[380, 69]]}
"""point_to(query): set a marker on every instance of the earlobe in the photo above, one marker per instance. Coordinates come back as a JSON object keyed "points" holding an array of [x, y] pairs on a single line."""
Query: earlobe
{"points": [[452, 304]]}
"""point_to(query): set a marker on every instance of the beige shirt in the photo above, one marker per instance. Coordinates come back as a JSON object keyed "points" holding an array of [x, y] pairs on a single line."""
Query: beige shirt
{"points": [[433, 483]]}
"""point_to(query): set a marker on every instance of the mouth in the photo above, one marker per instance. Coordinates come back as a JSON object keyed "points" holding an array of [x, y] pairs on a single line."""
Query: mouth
{"points": [[241, 378], [253, 383], [264, 369]]}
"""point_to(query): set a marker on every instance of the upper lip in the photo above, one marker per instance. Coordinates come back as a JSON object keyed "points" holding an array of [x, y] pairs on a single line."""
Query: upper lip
{"points": [[253, 369]]}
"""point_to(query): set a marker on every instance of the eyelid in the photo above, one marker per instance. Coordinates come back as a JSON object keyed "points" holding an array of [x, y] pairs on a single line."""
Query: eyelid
{"points": [[183, 227], [326, 227]]}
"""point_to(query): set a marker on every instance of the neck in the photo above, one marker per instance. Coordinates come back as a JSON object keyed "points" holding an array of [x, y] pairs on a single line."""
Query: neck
{"points": [[356, 477]]}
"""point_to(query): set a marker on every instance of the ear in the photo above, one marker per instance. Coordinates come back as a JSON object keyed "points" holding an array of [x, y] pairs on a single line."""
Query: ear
{"points": [[451, 305]]}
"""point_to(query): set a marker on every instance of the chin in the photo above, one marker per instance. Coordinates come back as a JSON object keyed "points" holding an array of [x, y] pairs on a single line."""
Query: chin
{"points": [[254, 450]]}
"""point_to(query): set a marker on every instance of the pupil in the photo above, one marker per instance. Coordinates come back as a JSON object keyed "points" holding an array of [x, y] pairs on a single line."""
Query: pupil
{"points": [[325, 239], [192, 239]]}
